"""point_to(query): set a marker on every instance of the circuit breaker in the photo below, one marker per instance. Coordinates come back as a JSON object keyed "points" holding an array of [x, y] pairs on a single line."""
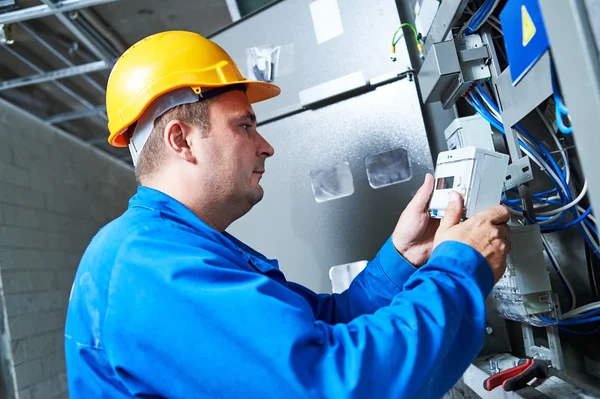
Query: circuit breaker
{"points": [[476, 173]]}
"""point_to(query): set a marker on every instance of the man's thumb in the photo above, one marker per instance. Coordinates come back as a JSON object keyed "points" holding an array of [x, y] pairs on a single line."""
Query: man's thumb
{"points": [[454, 211]]}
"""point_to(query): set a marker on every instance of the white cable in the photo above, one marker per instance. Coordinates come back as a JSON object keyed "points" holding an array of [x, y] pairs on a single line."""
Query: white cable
{"points": [[485, 101], [581, 310], [563, 152], [590, 216], [561, 272], [569, 205]]}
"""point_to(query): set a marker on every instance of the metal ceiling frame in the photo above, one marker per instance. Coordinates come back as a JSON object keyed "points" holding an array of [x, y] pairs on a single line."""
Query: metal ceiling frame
{"points": [[45, 10], [100, 50], [42, 77], [82, 37]]}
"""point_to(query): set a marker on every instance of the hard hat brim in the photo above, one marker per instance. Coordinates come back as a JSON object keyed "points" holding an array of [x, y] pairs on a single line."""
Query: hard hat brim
{"points": [[256, 91]]}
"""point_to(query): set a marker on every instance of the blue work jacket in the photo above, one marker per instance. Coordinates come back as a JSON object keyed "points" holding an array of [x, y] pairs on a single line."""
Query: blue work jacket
{"points": [[164, 306]]}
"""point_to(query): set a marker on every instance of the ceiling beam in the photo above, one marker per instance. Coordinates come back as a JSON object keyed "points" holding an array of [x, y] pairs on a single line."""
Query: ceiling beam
{"points": [[55, 75], [45, 10], [58, 55], [81, 36], [73, 115]]}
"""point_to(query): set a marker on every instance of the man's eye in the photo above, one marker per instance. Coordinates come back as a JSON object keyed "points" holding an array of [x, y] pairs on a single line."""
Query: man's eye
{"points": [[246, 127]]}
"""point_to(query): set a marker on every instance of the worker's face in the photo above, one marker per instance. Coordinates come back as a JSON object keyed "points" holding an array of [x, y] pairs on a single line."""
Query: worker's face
{"points": [[234, 152]]}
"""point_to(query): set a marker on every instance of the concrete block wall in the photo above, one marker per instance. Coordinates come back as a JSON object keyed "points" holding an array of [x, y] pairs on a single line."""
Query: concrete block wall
{"points": [[55, 193]]}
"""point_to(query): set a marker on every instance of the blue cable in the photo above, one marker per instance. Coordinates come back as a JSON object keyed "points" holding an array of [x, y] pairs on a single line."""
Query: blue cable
{"points": [[591, 226], [476, 21], [582, 319], [573, 222], [576, 322], [592, 332], [559, 118], [544, 193], [539, 145], [574, 332], [565, 196], [561, 108]]}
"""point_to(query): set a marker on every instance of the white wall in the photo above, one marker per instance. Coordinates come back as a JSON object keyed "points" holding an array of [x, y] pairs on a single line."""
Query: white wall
{"points": [[55, 193]]}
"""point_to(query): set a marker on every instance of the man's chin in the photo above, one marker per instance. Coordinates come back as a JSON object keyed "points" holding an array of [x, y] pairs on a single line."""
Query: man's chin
{"points": [[256, 196]]}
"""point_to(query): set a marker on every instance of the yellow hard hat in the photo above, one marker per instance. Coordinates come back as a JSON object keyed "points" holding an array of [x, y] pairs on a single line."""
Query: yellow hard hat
{"points": [[162, 63]]}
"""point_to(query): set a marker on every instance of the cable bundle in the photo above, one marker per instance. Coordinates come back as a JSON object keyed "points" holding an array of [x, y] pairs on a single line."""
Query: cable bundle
{"points": [[560, 196]]}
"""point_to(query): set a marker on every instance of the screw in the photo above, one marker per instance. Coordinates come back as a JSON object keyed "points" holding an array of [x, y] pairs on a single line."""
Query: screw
{"points": [[489, 330]]}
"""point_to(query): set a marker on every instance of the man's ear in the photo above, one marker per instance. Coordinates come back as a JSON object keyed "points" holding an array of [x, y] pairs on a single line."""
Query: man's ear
{"points": [[178, 135]]}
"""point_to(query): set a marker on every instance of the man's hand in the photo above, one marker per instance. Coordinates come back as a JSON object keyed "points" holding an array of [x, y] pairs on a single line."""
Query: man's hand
{"points": [[486, 232], [415, 231]]}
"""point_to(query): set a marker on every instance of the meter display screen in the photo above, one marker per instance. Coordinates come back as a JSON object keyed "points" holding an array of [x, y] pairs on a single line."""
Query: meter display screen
{"points": [[444, 183]]}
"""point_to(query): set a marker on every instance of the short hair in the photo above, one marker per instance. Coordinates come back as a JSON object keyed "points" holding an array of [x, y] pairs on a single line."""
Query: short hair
{"points": [[153, 154]]}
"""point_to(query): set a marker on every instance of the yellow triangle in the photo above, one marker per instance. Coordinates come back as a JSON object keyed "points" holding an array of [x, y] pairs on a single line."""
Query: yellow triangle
{"points": [[528, 26]]}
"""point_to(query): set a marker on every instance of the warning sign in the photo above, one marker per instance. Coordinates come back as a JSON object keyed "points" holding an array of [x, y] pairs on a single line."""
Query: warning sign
{"points": [[528, 26]]}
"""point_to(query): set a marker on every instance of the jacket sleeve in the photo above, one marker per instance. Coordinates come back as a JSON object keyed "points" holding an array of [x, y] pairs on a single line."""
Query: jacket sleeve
{"points": [[373, 288], [183, 322]]}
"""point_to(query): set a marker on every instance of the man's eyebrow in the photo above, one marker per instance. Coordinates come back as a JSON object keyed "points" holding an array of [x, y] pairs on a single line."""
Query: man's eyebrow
{"points": [[248, 115]]}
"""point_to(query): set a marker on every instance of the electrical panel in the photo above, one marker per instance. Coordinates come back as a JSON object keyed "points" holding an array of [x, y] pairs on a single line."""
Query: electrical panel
{"points": [[528, 70]]}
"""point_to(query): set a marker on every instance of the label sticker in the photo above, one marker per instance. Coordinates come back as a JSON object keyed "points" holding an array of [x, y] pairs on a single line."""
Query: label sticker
{"points": [[327, 20], [528, 26]]}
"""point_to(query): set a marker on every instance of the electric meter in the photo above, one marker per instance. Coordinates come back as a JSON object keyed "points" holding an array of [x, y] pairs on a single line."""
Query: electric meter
{"points": [[476, 173]]}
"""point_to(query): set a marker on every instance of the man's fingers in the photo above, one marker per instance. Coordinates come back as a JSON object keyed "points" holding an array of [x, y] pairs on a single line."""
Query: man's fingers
{"points": [[497, 215], [504, 231], [420, 201], [454, 211]]}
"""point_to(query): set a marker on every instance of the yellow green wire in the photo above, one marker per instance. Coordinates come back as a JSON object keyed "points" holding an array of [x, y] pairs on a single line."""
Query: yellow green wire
{"points": [[394, 41]]}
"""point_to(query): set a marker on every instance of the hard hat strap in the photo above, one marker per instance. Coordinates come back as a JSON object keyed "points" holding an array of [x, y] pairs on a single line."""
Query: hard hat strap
{"points": [[184, 95]]}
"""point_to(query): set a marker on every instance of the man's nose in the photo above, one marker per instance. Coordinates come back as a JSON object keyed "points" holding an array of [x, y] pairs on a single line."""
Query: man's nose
{"points": [[264, 147]]}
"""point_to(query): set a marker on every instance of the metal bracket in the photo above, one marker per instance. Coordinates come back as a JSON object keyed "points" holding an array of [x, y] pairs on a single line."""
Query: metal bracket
{"points": [[518, 172]]}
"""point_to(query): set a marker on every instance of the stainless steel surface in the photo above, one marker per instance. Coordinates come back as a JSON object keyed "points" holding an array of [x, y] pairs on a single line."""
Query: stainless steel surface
{"points": [[81, 36], [439, 70], [447, 16], [54, 75], [532, 90], [309, 237], [45, 10], [335, 87], [578, 68], [363, 46]]}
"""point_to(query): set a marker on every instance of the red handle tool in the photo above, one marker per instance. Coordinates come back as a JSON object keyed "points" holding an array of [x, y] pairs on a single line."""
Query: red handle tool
{"points": [[519, 376]]}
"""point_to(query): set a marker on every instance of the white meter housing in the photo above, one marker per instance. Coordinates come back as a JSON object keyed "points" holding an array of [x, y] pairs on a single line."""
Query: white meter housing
{"points": [[470, 131], [476, 173]]}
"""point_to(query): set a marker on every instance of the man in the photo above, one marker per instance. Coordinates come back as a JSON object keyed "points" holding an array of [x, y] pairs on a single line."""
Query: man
{"points": [[166, 304]]}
